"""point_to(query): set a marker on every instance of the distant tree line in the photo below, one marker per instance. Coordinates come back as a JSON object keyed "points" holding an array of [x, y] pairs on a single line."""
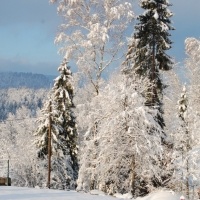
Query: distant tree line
{"points": [[13, 99], [26, 80]]}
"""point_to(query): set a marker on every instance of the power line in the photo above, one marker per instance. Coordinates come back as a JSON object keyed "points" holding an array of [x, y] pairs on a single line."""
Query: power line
{"points": [[19, 119]]}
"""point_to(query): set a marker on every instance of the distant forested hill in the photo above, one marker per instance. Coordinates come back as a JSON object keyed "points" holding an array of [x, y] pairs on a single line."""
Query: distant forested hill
{"points": [[13, 99], [18, 90], [26, 80]]}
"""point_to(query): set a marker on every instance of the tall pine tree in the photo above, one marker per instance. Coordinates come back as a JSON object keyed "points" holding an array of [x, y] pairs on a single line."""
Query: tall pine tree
{"points": [[147, 51], [185, 144], [64, 134], [63, 96], [146, 58]]}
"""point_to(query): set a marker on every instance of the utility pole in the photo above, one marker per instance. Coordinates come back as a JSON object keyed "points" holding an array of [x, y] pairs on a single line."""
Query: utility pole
{"points": [[8, 184], [49, 148], [153, 74]]}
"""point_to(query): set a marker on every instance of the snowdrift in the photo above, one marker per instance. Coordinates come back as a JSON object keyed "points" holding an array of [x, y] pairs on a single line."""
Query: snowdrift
{"points": [[161, 195]]}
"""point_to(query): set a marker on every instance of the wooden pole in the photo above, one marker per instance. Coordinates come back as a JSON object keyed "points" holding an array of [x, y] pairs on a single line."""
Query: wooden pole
{"points": [[8, 174], [153, 71], [49, 148], [133, 177], [187, 162]]}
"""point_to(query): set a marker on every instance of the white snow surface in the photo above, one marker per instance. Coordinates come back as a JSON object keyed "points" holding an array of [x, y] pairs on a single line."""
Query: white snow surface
{"points": [[162, 195], [19, 193], [23, 193]]}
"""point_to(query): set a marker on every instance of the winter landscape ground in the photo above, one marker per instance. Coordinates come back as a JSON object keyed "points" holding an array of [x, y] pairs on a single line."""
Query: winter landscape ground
{"points": [[19, 193]]}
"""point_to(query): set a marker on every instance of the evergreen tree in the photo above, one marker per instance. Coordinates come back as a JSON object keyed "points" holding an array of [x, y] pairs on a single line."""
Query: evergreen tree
{"points": [[63, 96], [146, 58], [63, 130], [185, 144], [147, 51]]}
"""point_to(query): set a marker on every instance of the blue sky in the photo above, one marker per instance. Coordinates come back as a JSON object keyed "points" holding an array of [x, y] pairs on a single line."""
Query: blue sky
{"points": [[28, 29], [27, 32]]}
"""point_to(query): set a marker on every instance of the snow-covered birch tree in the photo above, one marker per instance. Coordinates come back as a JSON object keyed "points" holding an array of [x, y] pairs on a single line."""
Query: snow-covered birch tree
{"points": [[192, 47], [128, 157], [187, 138], [93, 35], [171, 96], [16, 145]]}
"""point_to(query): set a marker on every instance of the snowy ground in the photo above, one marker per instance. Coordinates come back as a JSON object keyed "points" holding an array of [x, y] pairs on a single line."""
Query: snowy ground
{"points": [[17, 193]]}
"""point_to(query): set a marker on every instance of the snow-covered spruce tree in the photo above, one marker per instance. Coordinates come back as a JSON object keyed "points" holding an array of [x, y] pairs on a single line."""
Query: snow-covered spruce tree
{"points": [[186, 151], [64, 135], [147, 57], [185, 142], [93, 35], [147, 53], [63, 96], [127, 158]]}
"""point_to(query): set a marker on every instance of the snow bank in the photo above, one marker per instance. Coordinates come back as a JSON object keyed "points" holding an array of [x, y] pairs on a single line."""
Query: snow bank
{"points": [[161, 195], [18, 193], [158, 195], [124, 196], [97, 192]]}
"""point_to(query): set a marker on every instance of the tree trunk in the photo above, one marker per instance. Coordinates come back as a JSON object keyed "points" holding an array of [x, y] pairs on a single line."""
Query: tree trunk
{"points": [[153, 75], [133, 177], [187, 163]]}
